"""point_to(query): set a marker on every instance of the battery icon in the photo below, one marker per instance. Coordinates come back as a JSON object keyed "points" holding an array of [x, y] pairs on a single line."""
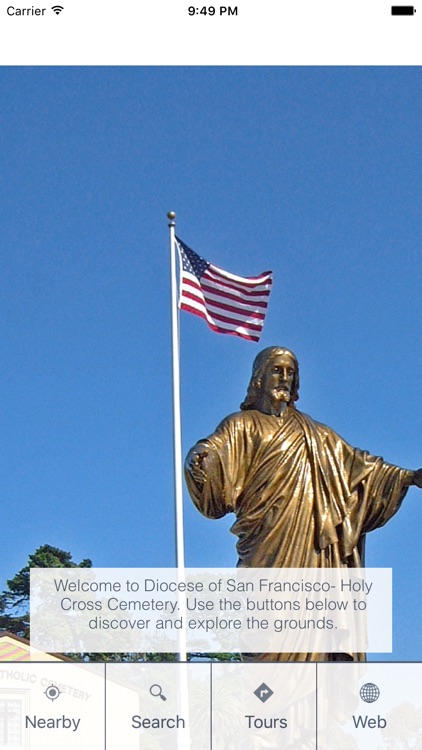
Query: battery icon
{"points": [[402, 10]]}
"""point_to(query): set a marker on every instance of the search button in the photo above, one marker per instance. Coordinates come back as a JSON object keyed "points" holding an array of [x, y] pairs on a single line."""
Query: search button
{"points": [[157, 692]]}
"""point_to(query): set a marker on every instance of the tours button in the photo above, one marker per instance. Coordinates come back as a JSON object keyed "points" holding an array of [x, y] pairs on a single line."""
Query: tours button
{"points": [[260, 704]]}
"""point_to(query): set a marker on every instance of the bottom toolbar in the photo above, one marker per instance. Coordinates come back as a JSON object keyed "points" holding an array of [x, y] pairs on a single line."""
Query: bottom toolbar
{"points": [[210, 706]]}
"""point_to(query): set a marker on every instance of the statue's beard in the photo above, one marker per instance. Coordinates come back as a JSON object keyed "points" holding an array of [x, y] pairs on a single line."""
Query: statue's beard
{"points": [[281, 394], [274, 400]]}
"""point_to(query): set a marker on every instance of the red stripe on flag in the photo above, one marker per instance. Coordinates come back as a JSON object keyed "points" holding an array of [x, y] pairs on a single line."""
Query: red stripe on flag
{"points": [[216, 328], [221, 306]]}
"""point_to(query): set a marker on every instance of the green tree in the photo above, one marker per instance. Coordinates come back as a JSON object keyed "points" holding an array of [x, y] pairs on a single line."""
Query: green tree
{"points": [[14, 602]]}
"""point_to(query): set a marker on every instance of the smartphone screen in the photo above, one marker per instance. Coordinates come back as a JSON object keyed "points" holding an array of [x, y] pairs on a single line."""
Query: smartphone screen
{"points": [[211, 418]]}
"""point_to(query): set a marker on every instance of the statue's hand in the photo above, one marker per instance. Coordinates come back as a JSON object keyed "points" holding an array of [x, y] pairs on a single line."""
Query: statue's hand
{"points": [[195, 464], [417, 477]]}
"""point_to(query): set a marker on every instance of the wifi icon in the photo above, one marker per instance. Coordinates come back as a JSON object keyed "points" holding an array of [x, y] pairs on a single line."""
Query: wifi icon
{"points": [[57, 9]]}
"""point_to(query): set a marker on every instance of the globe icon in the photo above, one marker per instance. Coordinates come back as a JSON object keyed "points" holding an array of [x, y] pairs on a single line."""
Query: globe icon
{"points": [[369, 692]]}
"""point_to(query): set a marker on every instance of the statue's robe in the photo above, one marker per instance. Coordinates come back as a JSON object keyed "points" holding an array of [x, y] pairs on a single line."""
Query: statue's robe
{"points": [[302, 497]]}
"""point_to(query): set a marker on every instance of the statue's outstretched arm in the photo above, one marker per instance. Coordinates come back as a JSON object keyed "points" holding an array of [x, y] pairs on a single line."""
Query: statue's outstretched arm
{"points": [[205, 481], [195, 464]]}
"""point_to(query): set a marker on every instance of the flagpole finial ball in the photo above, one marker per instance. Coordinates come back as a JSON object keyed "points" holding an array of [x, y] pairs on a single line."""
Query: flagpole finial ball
{"points": [[171, 215]]}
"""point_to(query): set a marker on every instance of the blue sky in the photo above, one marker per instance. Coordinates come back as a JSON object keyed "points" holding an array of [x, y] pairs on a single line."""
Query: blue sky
{"points": [[314, 173]]}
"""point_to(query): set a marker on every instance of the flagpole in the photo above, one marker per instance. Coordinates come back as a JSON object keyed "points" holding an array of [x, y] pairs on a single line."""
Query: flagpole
{"points": [[177, 426]]}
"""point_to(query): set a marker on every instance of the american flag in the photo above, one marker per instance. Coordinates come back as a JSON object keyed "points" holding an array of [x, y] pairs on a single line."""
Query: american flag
{"points": [[229, 303]]}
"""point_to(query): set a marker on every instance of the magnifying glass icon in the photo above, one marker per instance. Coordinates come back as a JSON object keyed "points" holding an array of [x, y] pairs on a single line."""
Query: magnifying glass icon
{"points": [[157, 692]]}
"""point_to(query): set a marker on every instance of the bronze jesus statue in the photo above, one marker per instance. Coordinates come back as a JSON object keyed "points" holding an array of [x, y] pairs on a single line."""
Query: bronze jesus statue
{"points": [[302, 496]]}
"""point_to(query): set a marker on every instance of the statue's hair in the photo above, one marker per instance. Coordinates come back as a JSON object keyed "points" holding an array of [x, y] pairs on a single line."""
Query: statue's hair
{"points": [[259, 367]]}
